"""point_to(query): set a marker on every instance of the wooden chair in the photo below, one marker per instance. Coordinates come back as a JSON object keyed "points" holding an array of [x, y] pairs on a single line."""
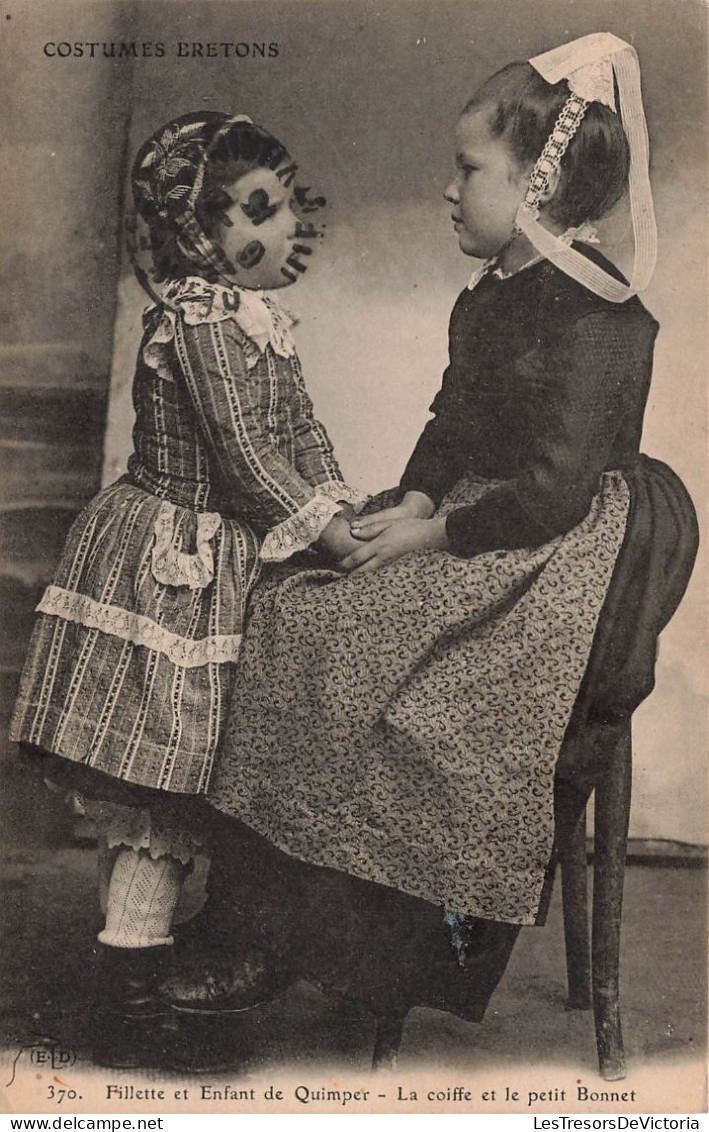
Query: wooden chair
{"points": [[592, 970]]}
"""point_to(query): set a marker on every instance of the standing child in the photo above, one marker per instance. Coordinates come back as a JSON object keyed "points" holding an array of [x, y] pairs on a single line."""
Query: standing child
{"points": [[132, 660], [403, 724]]}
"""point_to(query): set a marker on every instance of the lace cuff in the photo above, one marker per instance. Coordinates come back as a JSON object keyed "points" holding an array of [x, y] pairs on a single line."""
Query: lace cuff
{"points": [[305, 527], [341, 493]]}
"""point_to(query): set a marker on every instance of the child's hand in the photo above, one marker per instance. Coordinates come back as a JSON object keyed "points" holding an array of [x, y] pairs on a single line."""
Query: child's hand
{"points": [[369, 526], [414, 505], [336, 538], [399, 537]]}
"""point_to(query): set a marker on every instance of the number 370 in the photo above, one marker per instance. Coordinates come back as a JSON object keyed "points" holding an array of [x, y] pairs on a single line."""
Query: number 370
{"points": [[61, 1095]]}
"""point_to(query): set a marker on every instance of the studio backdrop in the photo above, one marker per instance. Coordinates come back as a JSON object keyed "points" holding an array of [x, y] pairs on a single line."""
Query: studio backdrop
{"points": [[366, 96]]}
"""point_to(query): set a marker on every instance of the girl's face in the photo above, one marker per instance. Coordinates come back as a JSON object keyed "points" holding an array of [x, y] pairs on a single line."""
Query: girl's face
{"points": [[488, 187], [260, 230]]}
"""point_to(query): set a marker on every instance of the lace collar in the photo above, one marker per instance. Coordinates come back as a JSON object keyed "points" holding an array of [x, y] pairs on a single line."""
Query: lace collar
{"points": [[257, 312], [258, 315], [586, 233]]}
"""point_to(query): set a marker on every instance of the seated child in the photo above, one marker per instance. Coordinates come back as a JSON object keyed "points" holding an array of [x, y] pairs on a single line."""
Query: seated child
{"points": [[402, 724]]}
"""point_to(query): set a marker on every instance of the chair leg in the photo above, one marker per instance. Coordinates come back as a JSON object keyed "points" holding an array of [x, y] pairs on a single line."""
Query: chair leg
{"points": [[611, 832], [387, 1039], [574, 894], [570, 802]]}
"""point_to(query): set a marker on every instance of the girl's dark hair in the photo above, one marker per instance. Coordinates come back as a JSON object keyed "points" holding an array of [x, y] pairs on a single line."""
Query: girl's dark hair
{"points": [[593, 175]]}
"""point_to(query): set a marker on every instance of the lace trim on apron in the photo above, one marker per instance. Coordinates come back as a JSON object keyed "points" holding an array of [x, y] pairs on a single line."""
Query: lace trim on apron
{"points": [[138, 629]]}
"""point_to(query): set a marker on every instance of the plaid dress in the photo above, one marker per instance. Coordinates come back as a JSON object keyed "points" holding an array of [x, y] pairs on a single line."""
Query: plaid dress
{"points": [[131, 662]]}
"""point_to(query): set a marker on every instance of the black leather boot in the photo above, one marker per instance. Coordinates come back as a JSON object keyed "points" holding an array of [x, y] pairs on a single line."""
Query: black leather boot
{"points": [[130, 1027], [133, 1027], [224, 981], [239, 952]]}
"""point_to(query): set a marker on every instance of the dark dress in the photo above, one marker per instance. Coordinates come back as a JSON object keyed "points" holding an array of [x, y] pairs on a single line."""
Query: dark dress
{"points": [[545, 390], [576, 549]]}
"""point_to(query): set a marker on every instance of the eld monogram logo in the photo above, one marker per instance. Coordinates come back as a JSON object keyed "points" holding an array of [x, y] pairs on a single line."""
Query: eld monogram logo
{"points": [[44, 1053], [51, 1056]]}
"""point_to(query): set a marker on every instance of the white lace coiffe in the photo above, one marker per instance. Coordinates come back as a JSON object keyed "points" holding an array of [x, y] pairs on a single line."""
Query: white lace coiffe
{"points": [[588, 65]]}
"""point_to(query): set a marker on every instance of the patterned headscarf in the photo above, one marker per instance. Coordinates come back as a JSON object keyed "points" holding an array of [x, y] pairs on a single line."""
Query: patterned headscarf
{"points": [[175, 182]]}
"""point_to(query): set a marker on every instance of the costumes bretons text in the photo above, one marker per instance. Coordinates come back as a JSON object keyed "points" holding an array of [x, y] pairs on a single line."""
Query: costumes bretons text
{"points": [[96, 49]]}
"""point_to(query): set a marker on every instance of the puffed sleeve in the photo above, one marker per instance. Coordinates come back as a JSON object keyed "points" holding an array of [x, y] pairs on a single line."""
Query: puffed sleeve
{"points": [[577, 393], [227, 401]]}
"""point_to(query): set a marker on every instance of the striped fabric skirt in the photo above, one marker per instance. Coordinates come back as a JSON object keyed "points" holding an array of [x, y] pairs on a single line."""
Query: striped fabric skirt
{"points": [[132, 659]]}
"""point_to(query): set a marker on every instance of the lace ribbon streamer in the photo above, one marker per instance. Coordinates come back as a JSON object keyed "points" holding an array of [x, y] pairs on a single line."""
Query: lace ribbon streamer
{"points": [[573, 61], [585, 233]]}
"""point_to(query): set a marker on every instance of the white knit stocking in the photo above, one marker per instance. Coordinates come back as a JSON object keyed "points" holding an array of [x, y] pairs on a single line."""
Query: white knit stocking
{"points": [[106, 859], [142, 897]]}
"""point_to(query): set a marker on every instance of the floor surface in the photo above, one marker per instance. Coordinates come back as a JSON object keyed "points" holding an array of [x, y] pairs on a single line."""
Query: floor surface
{"points": [[49, 921]]}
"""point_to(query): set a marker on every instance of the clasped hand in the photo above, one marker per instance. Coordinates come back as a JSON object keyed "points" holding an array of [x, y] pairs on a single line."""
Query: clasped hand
{"points": [[388, 534]]}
